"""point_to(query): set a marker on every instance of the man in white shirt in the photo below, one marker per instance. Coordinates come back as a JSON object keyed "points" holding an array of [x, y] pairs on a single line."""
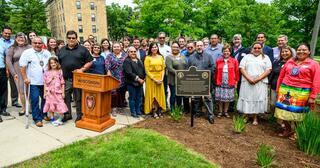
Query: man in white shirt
{"points": [[33, 63], [165, 51]]}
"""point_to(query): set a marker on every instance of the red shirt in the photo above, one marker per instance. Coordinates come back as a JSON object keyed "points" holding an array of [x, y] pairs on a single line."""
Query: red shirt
{"points": [[304, 75], [233, 71]]}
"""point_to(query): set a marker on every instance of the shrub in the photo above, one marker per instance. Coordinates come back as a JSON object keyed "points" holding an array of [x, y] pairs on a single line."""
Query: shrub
{"points": [[265, 156], [176, 113], [239, 124], [308, 134]]}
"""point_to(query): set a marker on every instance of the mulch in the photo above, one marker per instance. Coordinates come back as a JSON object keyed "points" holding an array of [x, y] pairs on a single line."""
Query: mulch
{"points": [[219, 144]]}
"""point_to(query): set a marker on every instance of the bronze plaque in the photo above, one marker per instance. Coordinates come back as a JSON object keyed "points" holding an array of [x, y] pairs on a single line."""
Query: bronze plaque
{"points": [[193, 82]]}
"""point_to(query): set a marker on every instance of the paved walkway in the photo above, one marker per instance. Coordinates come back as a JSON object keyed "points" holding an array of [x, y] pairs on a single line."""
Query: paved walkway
{"points": [[18, 143]]}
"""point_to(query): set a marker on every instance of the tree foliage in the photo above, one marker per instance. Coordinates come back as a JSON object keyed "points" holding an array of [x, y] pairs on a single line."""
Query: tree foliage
{"points": [[300, 16], [4, 15], [201, 18], [27, 15], [118, 18]]}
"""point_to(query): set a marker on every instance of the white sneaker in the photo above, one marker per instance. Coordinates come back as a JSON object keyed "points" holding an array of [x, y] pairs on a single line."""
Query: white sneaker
{"points": [[54, 123], [59, 122]]}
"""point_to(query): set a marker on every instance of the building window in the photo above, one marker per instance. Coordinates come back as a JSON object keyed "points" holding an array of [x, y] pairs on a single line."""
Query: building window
{"points": [[81, 39], [93, 17], [79, 16], [78, 4], [80, 29], [91, 5], [94, 29]]}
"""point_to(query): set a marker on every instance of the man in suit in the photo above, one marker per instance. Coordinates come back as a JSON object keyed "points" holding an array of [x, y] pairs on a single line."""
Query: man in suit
{"points": [[262, 38]]}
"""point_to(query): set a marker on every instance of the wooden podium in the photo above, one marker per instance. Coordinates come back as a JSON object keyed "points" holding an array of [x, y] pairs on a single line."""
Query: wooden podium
{"points": [[96, 100]]}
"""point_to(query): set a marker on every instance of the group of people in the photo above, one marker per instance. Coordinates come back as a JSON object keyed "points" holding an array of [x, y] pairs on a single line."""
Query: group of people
{"points": [[146, 69]]}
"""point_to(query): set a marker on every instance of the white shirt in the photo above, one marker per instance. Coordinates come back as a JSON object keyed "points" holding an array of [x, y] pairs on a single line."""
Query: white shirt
{"points": [[32, 60], [164, 50]]}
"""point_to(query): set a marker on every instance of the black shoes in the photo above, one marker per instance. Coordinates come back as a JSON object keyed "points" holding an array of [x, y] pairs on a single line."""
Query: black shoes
{"points": [[4, 113], [78, 119], [16, 105], [1, 119], [21, 113], [66, 117], [211, 120]]}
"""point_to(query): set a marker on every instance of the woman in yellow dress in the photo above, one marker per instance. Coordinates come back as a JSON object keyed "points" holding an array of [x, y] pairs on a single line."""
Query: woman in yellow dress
{"points": [[155, 68]]}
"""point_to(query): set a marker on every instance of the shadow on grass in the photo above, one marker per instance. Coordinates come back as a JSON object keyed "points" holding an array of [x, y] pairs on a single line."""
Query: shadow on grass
{"points": [[132, 147]]}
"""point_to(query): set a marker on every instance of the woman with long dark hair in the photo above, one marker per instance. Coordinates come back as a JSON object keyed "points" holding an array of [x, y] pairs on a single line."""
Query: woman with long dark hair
{"points": [[52, 46], [297, 88], [155, 68], [253, 97], [12, 60], [105, 47]]}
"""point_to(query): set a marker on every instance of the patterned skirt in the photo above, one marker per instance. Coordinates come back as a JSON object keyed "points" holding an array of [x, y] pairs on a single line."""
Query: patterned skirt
{"points": [[292, 103], [224, 92]]}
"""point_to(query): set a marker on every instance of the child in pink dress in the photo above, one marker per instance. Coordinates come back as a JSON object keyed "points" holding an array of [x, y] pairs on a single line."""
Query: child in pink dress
{"points": [[54, 91]]}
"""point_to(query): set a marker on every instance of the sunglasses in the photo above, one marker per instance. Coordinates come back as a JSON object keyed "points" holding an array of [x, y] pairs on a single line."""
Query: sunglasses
{"points": [[189, 47], [71, 38]]}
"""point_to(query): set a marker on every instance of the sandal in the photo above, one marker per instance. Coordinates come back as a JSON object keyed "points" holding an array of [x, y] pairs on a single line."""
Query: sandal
{"points": [[159, 112], [293, 137], [219, 115], [255, 123]]}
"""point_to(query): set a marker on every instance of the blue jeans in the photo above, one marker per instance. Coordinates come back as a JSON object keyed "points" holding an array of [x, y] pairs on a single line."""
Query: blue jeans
{"points": [[174, 99], [36, 92], [135, 99]]}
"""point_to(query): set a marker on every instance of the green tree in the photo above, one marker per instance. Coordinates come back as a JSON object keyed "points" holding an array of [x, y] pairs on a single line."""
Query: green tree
{"points": [[4, 15], [250, 18], [27, 15], [118, 19], [153, 16], [300, 16]]}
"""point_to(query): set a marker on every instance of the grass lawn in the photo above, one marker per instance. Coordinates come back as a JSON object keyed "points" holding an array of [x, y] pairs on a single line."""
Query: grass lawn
{"points": [[132, 148]]}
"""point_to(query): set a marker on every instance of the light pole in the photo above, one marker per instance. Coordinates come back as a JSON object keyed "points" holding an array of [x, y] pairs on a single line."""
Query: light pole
{"points": [[315, 32]]}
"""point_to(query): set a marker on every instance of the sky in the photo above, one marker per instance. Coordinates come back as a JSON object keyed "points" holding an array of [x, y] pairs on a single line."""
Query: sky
{"points": [[129, 2]]}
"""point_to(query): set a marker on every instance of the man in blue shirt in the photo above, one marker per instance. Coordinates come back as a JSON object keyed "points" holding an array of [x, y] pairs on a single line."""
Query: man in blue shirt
{"points": [[214, 50], [182, 43], [5, 43]]}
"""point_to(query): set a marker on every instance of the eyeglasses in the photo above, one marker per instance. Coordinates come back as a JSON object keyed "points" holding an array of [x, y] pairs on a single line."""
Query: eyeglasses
{"points": [[36, 43], [71, 38], [132, 51]]}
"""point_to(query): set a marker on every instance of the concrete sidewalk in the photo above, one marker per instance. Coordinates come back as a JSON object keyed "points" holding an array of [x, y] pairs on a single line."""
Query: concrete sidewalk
{"points": [[18, 143]]}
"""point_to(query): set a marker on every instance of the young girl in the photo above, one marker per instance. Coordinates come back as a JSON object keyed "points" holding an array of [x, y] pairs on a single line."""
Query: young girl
{"points": [[54, 91]]}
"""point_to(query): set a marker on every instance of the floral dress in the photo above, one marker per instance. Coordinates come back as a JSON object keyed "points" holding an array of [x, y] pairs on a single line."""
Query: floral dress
{"points": [[53, 81]]}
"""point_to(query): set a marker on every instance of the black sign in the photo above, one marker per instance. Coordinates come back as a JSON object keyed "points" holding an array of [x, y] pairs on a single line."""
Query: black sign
{"points": [[193, 82]]}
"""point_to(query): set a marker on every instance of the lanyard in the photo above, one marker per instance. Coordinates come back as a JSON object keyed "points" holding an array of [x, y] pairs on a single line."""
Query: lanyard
{"points": [[40, 59]]}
